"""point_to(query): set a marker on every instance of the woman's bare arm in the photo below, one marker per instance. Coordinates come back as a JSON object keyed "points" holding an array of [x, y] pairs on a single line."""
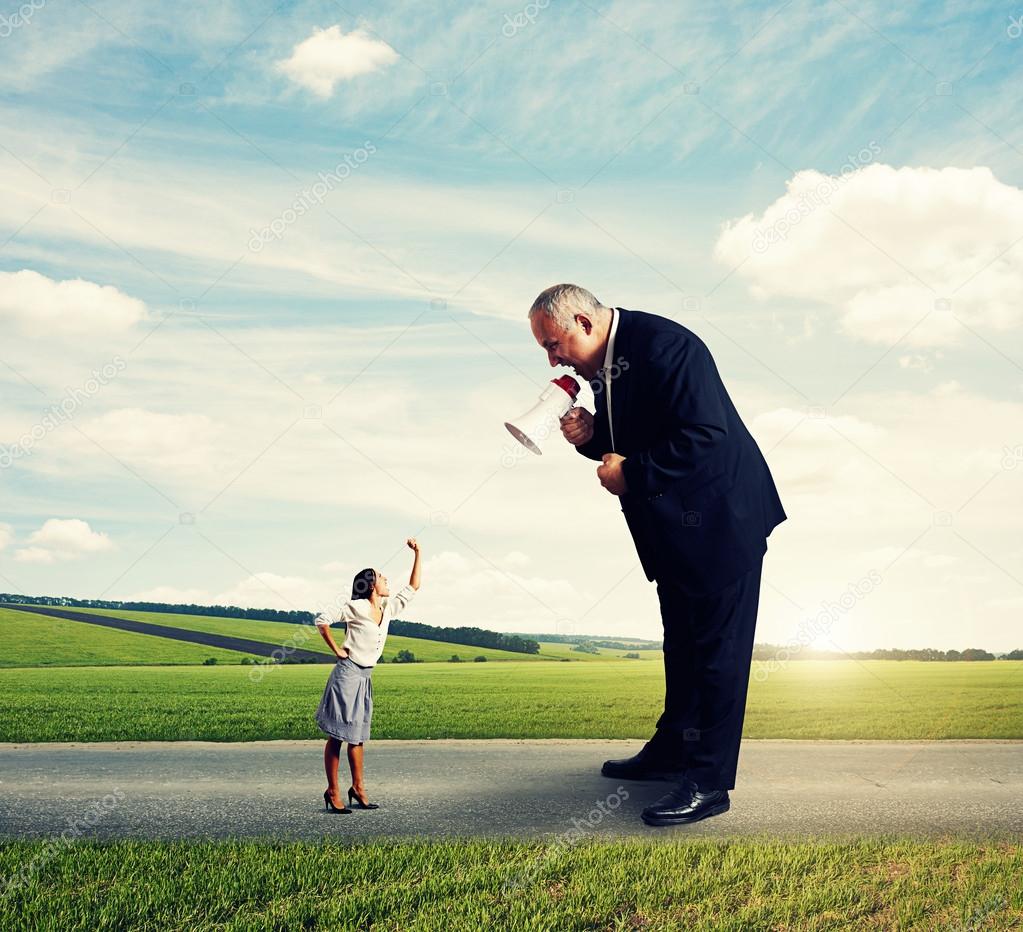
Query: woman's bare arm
{"points": [[414, 578], [331, 643]]}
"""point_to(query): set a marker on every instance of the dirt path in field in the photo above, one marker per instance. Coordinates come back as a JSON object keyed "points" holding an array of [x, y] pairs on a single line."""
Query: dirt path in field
{"points": [[249, 646], [502, 787]]}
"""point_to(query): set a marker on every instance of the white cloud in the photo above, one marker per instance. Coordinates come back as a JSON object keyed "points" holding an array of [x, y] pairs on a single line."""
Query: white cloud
{"points": [[174, 443], [6, 535], [458, 589], [831, 490], [900, 462], [919, 361], [260, 590], [1014, 602], [330, 56], [890, 487], [63, 539], [171, 596], [281, 456], [317, 256], [515, 560], [905, 556], [467, 589], [34, 555], [272, 590], [889, 248], [37, 305], [813, 458]]}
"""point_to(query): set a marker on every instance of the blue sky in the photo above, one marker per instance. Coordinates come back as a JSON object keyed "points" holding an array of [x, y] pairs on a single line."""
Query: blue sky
{"points": [[278, 417]]}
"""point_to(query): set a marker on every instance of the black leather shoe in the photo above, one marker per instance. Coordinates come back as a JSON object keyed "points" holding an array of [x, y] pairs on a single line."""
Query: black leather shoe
{"points": [[686, 803], [643, 766]]}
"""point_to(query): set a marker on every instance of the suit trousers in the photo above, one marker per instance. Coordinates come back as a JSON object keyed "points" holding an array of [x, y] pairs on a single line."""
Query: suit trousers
{"points": [[708, 648]]}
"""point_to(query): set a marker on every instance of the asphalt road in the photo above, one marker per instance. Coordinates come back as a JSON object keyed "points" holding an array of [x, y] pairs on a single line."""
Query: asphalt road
{"points": [[501, 788]]}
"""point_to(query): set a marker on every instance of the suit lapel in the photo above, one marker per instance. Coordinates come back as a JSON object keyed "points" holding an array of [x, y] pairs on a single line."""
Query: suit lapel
{"points": [[621, 371]]}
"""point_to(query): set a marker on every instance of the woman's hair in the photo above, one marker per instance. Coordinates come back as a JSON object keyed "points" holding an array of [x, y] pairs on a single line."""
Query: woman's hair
{"points": [[363, 584]]}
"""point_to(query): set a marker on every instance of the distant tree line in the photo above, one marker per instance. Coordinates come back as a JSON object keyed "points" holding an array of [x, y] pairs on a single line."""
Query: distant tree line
{"points": [[219, 611], [631, 644], [473, 637]]}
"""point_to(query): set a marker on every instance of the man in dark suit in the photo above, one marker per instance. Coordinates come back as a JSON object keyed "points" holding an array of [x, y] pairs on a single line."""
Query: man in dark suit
{"points": [[700, 503]]}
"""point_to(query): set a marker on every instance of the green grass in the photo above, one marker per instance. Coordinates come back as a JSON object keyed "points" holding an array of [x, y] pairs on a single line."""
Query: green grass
{"points": [[37, 640], [21, 631], [696, 885], [808, 699]]}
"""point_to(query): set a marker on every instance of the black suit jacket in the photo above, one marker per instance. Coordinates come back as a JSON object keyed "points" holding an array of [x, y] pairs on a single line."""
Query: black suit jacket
{"points": [[701, 501]]}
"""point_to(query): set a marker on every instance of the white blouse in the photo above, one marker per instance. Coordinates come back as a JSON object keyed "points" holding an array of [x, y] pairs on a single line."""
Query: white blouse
{"points": [[365, 638]]}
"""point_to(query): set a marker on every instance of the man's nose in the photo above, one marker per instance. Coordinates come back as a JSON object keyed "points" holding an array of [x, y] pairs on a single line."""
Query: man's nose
{"points": [[552, 358]]}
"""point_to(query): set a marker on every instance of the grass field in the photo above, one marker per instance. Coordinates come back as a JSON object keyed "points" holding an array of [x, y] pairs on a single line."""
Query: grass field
{"points": [[808, 699], [33, 640], [693, 885]]}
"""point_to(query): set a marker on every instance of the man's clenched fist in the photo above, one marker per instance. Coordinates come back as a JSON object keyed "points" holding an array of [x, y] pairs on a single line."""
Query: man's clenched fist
{"points": [[577, 426], [611, 475]]}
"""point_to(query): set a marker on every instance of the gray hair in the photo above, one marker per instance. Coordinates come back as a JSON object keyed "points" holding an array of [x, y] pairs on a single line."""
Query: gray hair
{"points": [[562, 302]]}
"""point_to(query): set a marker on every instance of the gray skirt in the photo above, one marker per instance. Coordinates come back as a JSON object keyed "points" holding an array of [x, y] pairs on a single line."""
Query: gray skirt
{"points": [[346, 708]]}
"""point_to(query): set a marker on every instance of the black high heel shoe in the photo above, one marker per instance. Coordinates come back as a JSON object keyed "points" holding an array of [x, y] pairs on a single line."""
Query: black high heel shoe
{"points": [[328, 804], [352, 797]]}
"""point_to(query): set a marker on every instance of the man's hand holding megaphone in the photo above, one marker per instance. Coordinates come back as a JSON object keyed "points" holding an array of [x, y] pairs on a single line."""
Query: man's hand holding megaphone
{"points": [[577, 429], [577, 426]]}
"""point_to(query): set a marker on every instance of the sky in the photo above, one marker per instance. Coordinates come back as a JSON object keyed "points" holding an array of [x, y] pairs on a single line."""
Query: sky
{"points": [[265, 271]]}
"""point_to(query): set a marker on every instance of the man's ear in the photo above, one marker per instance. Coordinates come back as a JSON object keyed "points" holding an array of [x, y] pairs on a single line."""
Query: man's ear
{"points": [[585, 323]]}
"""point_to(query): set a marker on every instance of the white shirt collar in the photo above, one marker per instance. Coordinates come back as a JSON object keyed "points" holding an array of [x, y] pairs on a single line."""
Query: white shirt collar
{"points": [[364, 608], [609, 353]]}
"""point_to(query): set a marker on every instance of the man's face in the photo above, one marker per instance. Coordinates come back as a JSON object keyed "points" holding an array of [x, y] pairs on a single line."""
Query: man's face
{"points": [[579, 347]]}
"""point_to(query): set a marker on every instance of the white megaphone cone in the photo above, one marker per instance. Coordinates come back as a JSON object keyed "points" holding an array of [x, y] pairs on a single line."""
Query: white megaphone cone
{"points": [[545, 416]]}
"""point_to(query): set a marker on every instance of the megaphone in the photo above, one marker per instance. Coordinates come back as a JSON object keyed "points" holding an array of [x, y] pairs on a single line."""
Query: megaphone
{"points": [[536, 424]]}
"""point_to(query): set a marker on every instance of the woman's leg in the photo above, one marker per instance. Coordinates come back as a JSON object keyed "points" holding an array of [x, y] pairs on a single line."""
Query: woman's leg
{"points": [[355, 763], [331, 757]]}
